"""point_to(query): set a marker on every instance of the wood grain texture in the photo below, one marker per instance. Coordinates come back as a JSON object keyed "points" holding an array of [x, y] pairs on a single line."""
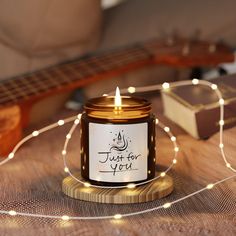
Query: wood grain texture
{"points": [[155, 190]]}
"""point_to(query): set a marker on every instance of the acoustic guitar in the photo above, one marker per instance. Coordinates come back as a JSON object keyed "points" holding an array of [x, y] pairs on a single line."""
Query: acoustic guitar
{"points": [[17, 95]]}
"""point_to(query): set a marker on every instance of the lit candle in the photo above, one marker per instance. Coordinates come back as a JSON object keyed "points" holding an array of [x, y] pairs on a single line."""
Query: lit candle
{"points": [[117, 140], [118, 101]]}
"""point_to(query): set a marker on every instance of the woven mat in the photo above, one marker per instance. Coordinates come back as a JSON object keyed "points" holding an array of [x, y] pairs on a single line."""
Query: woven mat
{"points": [[32, 183]]}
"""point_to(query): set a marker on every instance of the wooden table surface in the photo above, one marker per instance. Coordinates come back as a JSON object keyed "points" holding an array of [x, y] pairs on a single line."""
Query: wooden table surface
{"points": [[32, 183]]}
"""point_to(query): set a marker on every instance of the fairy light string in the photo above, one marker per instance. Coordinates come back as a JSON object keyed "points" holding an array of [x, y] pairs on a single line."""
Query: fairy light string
{"points": [[132, 185], [76, 120]]}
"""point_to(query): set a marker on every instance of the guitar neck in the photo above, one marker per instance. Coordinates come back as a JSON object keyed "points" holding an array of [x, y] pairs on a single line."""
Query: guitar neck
{"points": [[88, 69], [71, 75]]}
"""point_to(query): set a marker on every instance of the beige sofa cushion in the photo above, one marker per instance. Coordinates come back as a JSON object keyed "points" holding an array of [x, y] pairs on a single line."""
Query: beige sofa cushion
{"points": [[37, 33]]}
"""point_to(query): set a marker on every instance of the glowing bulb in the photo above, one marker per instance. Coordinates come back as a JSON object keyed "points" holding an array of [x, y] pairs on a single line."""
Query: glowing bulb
{"points": [[163, 174], [167, 129], [66, 169], [76, 122], [11, 155], [214, 86], [165, 85], [86, 184], [12, 213], [221, 145], [221, 101], [173, 138], [35, 133], [65, 217], [210, 186], [68, 136], [195, 81], [228, 165], [221, 122], [105, 95], [157, 121], [131, 186], [167, 205], [176, 149], [131, 89], [63, 152], [79, 116], [61, 122], [174, 161], [117, 216]]}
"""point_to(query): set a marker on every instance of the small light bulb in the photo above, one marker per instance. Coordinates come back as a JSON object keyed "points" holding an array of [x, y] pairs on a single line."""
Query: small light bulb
{"points": [[176, 149], [157, 121], [195, 81], [131, 186], [174, 161], [35, 133], [65, 217], [11, 155], [214, 86], [165, 85], [76, 122], [210, 186], [173, 138], [117, 216], [221, 101], [105, 95], [61, 122], [221, 122], [12, 213], [221, 145], [63, 152], [163, 174], [167, 129], [66, 169], [131, 89], [68, 136], [86, 184], [167, 205], [228, 165], [79, 116]]}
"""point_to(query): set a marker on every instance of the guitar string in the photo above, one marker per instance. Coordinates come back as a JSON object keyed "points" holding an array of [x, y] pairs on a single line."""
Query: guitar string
{"points": [[119, 216]]}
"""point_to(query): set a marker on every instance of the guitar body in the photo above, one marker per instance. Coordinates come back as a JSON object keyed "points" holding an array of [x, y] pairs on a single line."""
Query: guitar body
{"points": [[17, 95], [10, 129]]}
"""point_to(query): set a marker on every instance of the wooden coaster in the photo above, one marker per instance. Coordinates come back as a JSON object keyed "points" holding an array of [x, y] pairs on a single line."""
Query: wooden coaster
{"points": [[154, 190]]}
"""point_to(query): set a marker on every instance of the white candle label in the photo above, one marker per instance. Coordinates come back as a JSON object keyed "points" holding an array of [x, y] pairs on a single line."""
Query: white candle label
{"points": [[118, 153]]}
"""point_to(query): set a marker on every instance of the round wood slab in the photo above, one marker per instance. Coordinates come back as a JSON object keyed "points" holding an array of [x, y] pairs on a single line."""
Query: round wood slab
{"points": [[154, 190]]}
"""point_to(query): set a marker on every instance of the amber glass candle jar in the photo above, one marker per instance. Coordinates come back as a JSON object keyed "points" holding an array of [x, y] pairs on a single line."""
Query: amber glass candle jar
{"points": [[117, 143]]}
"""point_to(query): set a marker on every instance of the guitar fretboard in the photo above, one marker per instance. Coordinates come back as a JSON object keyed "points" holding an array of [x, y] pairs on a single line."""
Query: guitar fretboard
{"points": [[85, 70], [65, 75]]}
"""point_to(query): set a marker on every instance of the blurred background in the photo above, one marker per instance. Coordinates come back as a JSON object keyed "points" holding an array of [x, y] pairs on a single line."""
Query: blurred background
{"points": [[36, 34]]}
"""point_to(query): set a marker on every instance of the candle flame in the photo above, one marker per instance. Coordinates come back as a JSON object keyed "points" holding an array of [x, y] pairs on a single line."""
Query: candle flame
{"points": [[118, 102]]}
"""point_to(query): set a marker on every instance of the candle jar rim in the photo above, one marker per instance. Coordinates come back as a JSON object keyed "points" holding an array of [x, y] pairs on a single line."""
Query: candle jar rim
{"points": [[107, 102], [104, 107]]}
